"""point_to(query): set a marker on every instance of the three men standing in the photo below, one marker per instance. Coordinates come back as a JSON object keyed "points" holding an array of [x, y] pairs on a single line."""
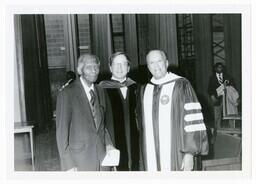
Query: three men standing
{"points": [[171, 133]]}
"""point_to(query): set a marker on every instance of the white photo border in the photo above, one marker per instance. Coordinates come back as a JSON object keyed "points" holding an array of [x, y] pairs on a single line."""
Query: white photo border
{"points": [[245, 174]]}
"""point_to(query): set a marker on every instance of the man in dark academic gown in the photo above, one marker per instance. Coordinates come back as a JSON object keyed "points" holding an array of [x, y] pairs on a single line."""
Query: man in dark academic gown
{"points": [[124, 131], [173, 128]]}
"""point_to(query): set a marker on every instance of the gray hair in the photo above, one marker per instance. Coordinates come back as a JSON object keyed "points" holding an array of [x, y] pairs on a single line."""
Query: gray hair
{"points": [[85, 58]]}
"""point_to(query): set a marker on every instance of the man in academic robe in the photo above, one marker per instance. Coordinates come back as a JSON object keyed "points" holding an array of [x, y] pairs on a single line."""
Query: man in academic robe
{"points": [[124, 131], [173, 128], [82, 137]]}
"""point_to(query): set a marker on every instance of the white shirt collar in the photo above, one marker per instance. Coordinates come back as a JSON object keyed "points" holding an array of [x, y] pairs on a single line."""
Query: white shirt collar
{"points": [[123, 89], [87, 88], [113, 78], [168, 77]]}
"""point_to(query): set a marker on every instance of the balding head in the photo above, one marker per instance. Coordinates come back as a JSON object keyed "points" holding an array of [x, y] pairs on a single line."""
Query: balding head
{"points": [[156, 52], [157, 63]]}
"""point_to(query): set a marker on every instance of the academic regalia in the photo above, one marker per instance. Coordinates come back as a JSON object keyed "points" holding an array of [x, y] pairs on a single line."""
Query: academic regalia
{"points": [[124, 130], [180, 129]]}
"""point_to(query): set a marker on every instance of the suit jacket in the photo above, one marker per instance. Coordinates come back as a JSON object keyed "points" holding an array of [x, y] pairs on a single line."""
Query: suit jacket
{"points": [[80, 143], [214, 84]]}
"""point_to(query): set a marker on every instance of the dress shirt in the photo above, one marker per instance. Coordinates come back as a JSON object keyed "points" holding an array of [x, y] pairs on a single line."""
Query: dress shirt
{"points": [[123, 89], [220, 77], [87, 89]]}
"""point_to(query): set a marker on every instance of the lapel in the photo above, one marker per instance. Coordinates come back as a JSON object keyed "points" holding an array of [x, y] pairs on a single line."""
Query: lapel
{"points": [[216, 79], [84, 102], [223, 76]]}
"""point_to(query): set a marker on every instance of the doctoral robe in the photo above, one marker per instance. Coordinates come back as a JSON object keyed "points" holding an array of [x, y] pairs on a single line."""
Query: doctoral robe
{"points": [[124, 130], [181, 126]]}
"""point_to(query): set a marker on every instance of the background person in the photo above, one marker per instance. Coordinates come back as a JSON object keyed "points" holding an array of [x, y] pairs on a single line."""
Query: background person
{"points": [[218, 79]]}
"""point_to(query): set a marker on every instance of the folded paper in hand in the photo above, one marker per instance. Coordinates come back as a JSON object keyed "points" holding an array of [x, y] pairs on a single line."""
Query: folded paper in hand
{"points": [[220, 90], [111, 158]]}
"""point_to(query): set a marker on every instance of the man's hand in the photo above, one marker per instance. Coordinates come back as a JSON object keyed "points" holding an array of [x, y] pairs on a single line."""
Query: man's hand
{"points": [[187, 162], [109, 147]]}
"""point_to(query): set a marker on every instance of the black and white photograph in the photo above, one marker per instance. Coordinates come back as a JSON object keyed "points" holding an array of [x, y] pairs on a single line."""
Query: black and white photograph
{"points": [[123, 92]]}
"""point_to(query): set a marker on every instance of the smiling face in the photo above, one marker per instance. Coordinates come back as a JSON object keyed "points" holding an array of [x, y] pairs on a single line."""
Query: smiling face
{"points": [[119, 67], [157, 64], [90, 71]]}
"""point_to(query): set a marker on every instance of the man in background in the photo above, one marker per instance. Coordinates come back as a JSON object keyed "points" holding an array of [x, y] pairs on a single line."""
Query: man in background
{"points": [[216, 81]]}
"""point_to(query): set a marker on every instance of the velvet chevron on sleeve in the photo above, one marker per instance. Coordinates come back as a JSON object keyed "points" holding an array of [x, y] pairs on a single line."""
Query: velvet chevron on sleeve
{"points": [[187, 119]]}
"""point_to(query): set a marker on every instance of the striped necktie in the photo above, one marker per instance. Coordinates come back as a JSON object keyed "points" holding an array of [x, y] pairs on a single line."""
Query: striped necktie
{"points": [[220, 79], [92, 101]]}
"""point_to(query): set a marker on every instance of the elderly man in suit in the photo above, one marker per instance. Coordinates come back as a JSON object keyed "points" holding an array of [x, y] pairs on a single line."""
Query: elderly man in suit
{"points": [[82, 137]]}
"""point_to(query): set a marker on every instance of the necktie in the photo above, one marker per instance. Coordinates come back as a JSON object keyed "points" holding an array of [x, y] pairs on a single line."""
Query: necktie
{"points": [[92, 101], [220, 78]]}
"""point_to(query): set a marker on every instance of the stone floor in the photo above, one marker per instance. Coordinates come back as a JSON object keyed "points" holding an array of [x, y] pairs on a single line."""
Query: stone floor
{"points": [[47, 158]]}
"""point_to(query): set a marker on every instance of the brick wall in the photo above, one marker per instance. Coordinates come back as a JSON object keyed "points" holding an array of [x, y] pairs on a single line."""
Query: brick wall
{"points": [[56, 38], [54, 28], [84, 33], [118, 41], [57, 47]]}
